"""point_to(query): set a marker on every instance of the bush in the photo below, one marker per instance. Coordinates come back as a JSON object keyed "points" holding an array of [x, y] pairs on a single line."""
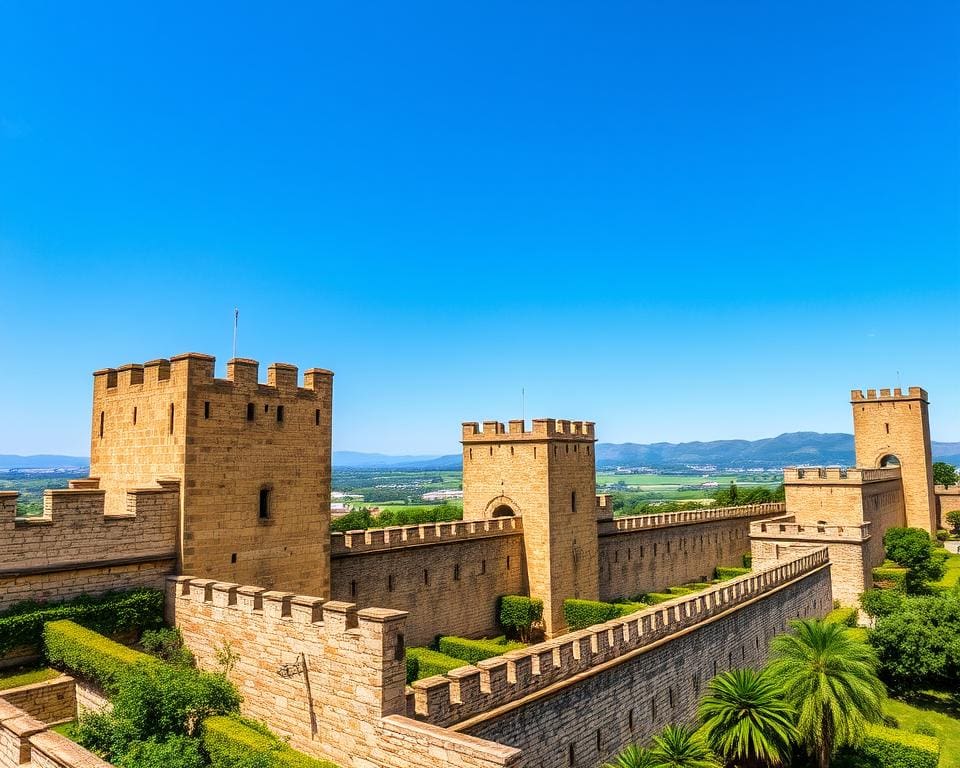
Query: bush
{"points": [[912, 549], [655, 598], [109, 614], [168, 645], [845, 615], [886, 577], [90, 655], [925, 729], [519, 614], [233, 742], [580, 614], [748, 561], [472, 651], [723, 573], [886, 748], [423, 662], [175, 752], [953, 517]]}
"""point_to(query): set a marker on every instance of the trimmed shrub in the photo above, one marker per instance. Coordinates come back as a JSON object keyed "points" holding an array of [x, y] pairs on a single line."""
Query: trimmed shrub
{"points": [[629, 606], [724, 573], [90, 655], [580, 614], [748, 561], [233, 742], [472, 651], [518, 614], [167, 644], [109, 614], [655, 598], [175, 752], [889, 577], [679, 591], [846, 616], [423, 662], [887, 748]]}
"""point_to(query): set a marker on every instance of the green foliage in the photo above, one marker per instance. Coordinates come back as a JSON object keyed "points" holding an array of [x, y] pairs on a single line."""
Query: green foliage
{"points": [[634, 756], [424, 662], [829, 677], [944, 474], [109, 614], [735, 496], [472, 651], [745, 719], [362, 519], [175, 752], [942, 534], [912, 549], [844, 615], [890, 578], [233, 742], [167, 644], [722, 573], [90, 655], [580, 614], [748, 561], [519, 614], [887, 748], [918, 643], [655, 598], [679, 746], [953, 517]]}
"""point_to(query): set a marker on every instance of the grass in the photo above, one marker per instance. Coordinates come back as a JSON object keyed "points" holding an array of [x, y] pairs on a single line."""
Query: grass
{"points": [[654, 481], [952, 576], [935, 709], [66, 729], [20, 677]]}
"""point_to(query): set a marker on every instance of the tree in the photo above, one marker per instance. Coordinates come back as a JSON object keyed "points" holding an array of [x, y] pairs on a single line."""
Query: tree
{"points": [[634, 756], [829, 677], [678, 746], [913, 549], [918, 644], [746, 721], [944, 474], [881, 602], [953, 517]]}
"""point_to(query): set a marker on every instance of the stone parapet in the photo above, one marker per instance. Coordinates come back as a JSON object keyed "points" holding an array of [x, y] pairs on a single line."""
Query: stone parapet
{"points": [[787, 527], [913, 393], [541, 429], [832, 475], [26, 741], [382, 539], [665, 519], [474, 689]]}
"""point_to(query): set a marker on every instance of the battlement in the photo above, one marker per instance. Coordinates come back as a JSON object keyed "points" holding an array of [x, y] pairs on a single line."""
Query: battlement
{"points": [[886, 395], [397, 537], [786, 526], [197, 370], [541, 429], [668, 519], [845, 476], [474, 689]]}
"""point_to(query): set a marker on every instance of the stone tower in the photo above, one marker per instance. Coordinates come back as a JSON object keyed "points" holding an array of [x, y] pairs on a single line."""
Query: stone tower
{"points": [[253, 461], [547, 475], [895, 428]]}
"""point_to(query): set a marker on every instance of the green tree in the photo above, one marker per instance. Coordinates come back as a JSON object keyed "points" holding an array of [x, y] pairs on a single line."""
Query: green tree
{"points": [[881, 602], [829, 677], [953, 517], [913, 549], [634, 756], [678, 746], [944, 474], [746, 720]]}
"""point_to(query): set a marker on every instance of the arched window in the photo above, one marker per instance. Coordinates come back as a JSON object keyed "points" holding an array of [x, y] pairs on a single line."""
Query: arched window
{"points": [[503, 511], [890, 461]]}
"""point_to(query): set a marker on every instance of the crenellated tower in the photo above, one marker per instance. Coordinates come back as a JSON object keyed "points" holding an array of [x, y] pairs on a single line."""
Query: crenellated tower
{"points": [[893, 428], [252, 459], [548, 476]]}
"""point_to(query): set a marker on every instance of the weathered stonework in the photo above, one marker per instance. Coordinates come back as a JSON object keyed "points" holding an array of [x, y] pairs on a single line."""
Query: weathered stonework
{"points": [[948, 500]]}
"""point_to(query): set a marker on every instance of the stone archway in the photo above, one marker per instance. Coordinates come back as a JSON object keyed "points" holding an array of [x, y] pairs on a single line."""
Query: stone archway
{"points": [[501, 506], [888, 460]]}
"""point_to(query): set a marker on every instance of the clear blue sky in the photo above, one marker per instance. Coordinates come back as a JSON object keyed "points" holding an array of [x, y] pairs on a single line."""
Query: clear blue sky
{"points": [[681, 220]]}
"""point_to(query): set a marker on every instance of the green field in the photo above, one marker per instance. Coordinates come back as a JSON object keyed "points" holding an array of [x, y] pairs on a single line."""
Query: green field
{"points": [[672, 482], [936, 710]]}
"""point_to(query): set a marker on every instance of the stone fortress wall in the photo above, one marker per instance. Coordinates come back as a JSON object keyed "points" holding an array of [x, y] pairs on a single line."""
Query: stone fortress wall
{"points": [[527, 708]]}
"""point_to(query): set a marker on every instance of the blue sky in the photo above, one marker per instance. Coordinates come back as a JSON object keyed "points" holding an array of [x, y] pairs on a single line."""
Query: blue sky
{"points": [[682, 221]]}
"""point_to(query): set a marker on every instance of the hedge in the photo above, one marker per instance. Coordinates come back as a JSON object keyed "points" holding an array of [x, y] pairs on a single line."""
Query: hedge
{"points": [[580, 614], [109, 614], [232, 741], [423, 662], [472, 651], [90, 655], [844, 615], [655, 598], [894, 576], [889, 748], [518, 613], [724, 573], [748, 560]]}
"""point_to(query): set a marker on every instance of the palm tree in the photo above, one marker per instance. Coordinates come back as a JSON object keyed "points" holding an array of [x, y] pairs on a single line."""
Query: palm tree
{"points": [[746, 720], [678, 746], [634, 756], [829, 676]]}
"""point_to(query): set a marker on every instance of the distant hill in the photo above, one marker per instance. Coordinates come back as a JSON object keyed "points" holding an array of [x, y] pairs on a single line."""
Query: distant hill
{"points": [[42, 461], [358, 460]]}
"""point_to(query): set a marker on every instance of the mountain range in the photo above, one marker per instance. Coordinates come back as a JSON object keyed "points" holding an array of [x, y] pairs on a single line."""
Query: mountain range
{"points": [[773, 452]]}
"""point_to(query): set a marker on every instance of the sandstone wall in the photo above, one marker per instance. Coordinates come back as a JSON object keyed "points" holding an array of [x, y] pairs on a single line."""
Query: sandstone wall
{"points": [[647, 553], [948, 500], [24, 740], [639, 691], [448, 576], [51, 701], [74, 548]]}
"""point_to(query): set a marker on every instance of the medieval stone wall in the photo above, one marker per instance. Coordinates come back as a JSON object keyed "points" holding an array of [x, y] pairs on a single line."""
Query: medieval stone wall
{"points": [[448, 576], [948, 500], [647, 553], [24, 740], [50, 701], [75, 548]]}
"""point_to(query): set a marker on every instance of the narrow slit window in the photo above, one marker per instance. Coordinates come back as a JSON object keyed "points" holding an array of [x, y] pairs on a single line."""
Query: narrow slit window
{"points": [[456, 572], [353, 588], [508, 562], [206, 409], [426, 577], [171, 418], [483, 567], [264, 510], [599, 742], [887, 427], [134, 414], [390, 583], [250, 411], [233, 558], [101, 425], [630, 719], [572, 755], [316, 417], [266, 407], [279, 413]]}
